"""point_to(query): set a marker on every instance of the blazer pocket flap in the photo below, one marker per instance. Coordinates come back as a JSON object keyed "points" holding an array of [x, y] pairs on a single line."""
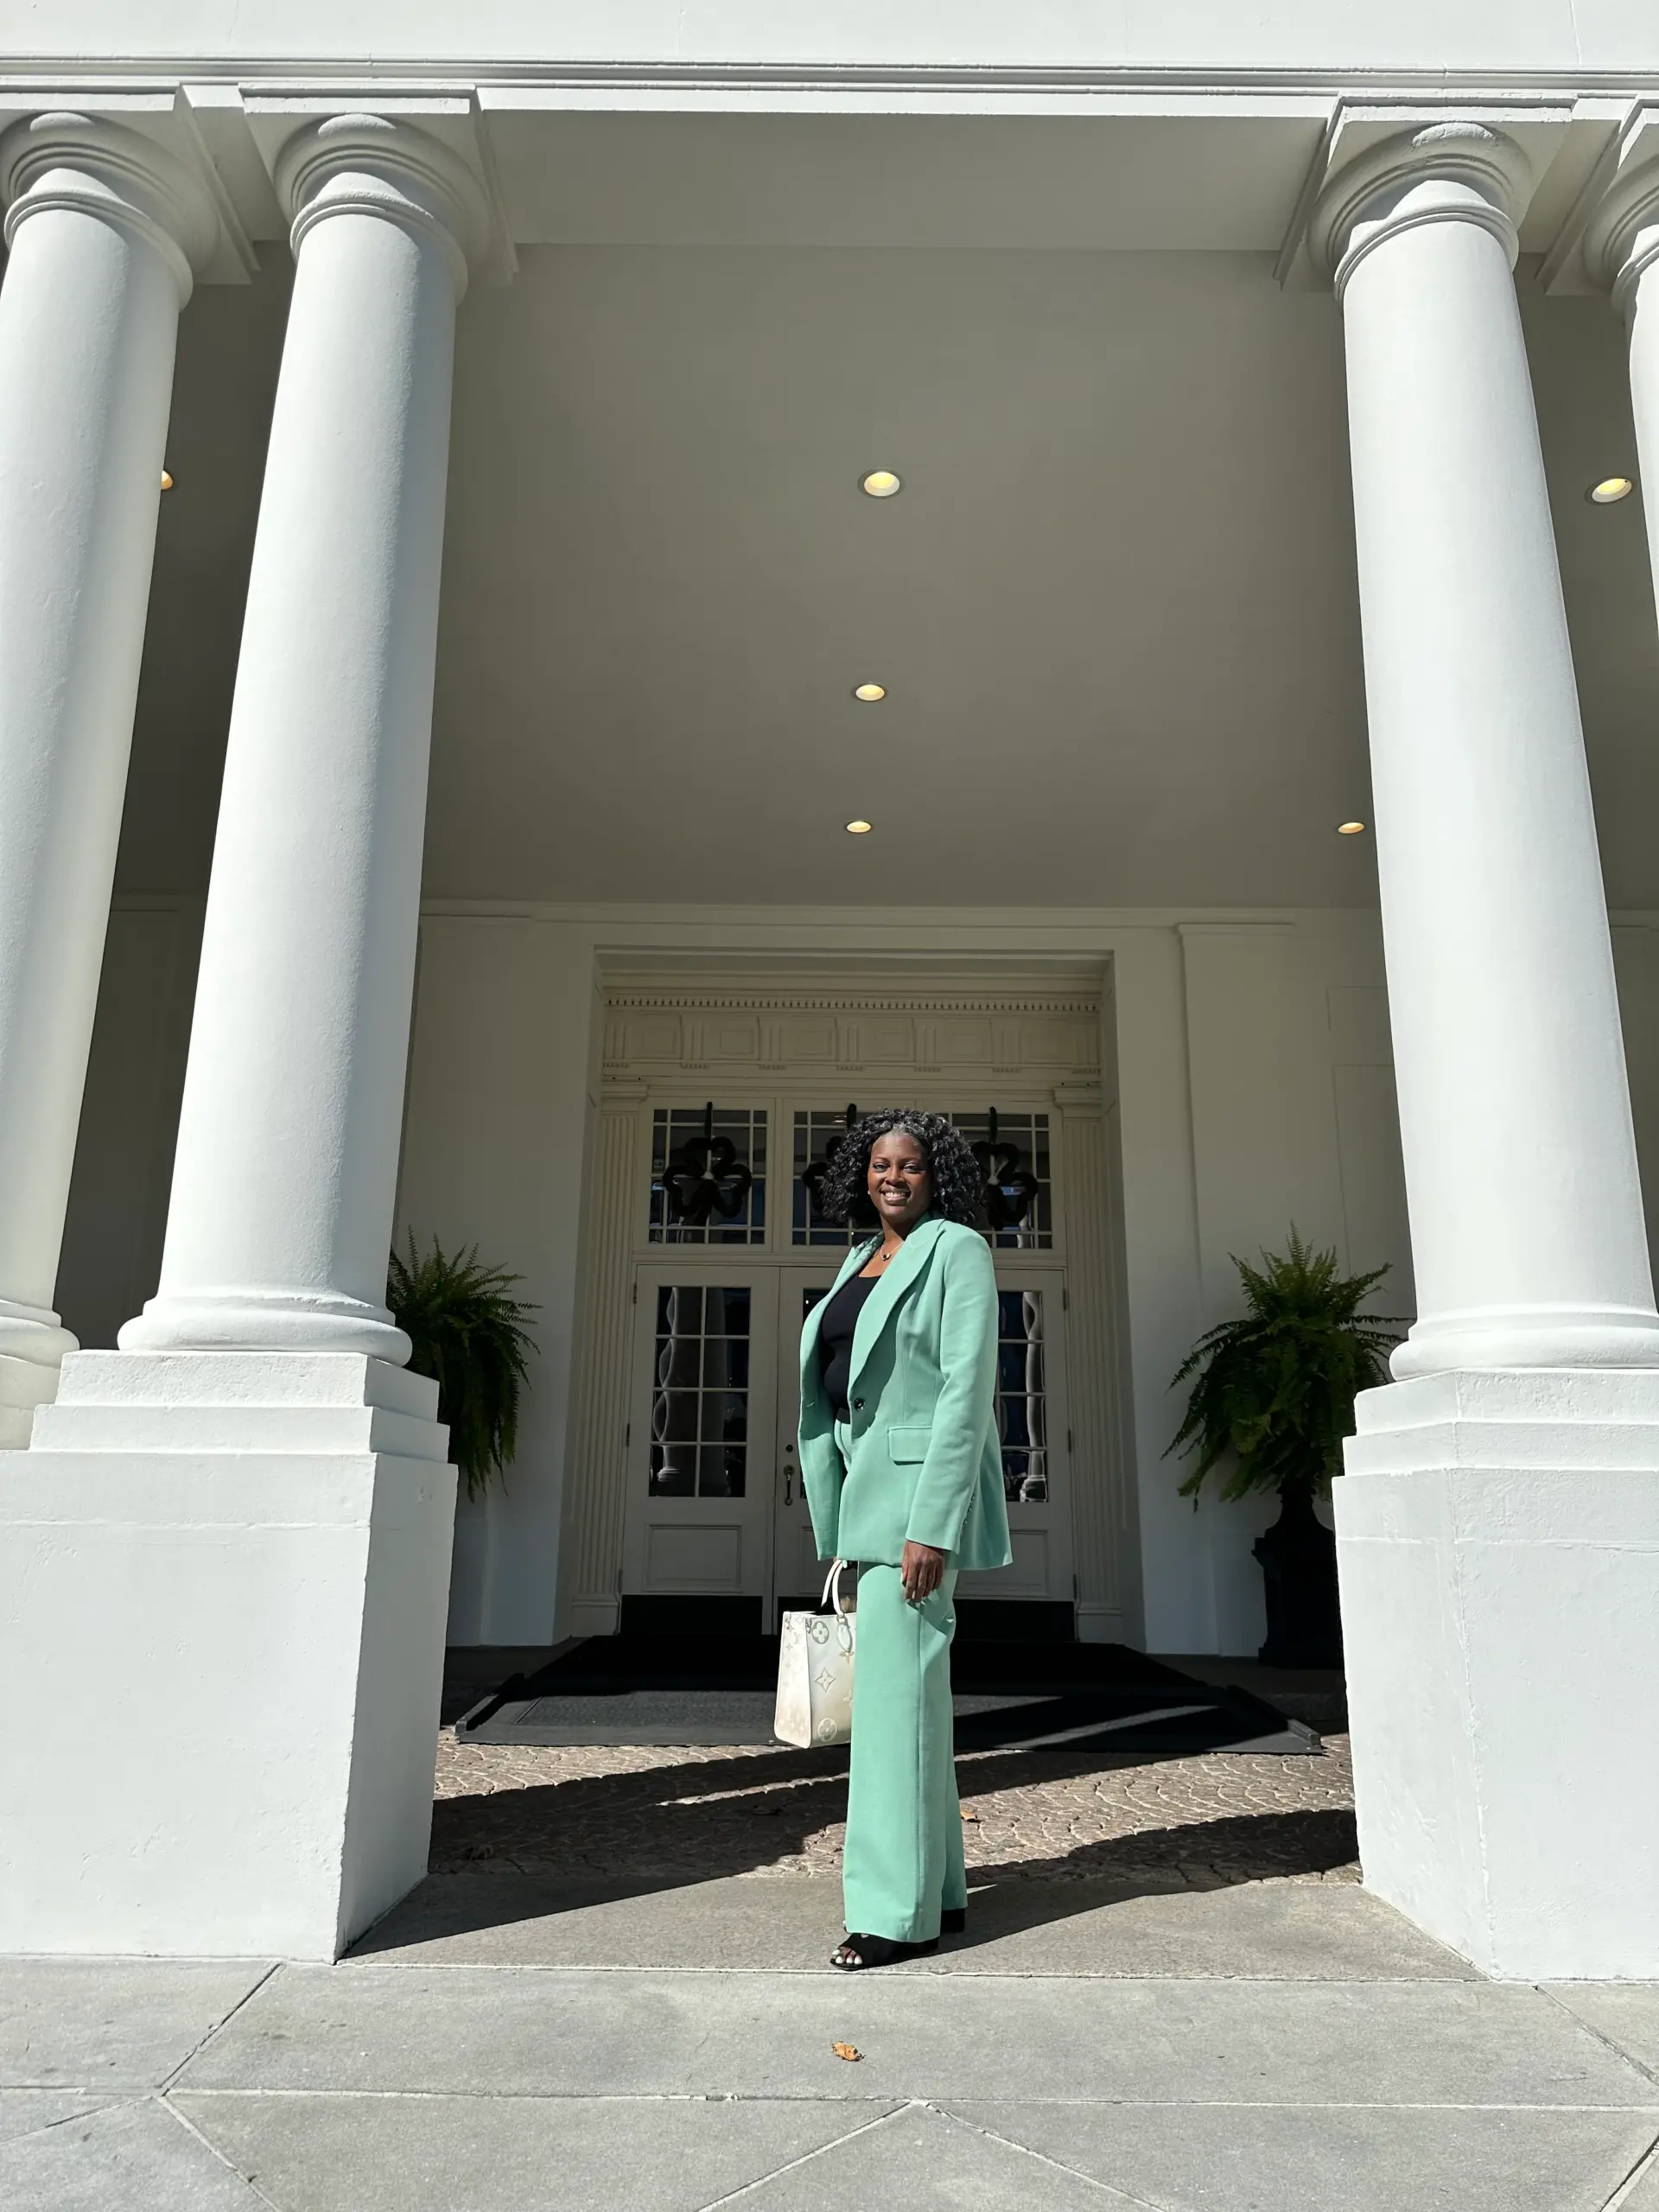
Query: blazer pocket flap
{"points": [[907, 1444]]}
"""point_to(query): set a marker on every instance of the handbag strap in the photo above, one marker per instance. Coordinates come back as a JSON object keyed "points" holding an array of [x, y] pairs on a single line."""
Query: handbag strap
{"points": [[832, 1583]]}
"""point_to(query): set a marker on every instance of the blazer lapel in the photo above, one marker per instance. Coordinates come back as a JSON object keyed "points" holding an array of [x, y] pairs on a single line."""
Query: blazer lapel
{"points": [[888, 1291]]}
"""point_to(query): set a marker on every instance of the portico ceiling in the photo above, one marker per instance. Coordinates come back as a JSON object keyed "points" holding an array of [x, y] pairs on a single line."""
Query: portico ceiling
{"points": [[1113, 607]]}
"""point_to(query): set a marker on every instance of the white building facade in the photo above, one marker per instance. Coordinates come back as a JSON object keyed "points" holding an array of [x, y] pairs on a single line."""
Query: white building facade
{"points": [[431, 814]]}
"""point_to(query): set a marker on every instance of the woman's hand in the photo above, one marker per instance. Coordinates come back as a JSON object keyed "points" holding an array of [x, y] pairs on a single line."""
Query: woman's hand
{"points": [[921, 1572]]}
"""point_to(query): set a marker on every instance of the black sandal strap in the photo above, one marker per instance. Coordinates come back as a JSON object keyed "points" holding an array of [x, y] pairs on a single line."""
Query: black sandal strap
{"points": [[879, 1951]]}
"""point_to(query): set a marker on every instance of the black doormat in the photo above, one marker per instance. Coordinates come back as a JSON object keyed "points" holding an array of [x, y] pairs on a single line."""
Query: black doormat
{"points": [[1017, 1620], [1059, 1698]]}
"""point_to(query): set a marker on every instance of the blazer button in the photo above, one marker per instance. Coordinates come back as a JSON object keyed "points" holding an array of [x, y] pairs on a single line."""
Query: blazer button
{"points": [[858, 1405]]}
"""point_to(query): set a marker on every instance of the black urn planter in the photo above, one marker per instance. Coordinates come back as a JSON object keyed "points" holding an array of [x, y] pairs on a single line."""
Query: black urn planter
{"points": [[1299, 1574]]}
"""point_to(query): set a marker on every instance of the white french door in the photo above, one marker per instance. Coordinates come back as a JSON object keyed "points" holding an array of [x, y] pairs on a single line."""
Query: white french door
{"points": [[1032, 1423], [716, 1504], [702, 1450]]}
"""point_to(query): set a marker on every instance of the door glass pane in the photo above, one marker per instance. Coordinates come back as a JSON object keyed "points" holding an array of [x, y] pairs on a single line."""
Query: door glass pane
{"points": [[1022, 1396], [700, 1392], [726, 1364], [708, 1175]]}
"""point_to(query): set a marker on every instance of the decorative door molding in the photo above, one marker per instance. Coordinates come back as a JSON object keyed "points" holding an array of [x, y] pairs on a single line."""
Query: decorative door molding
{"points": [[595, 1484], [1034, 1035]]}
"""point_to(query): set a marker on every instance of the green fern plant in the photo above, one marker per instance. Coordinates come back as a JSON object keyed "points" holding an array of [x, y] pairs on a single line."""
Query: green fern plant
{"points": [[1276, 1388], [469, 1336]]}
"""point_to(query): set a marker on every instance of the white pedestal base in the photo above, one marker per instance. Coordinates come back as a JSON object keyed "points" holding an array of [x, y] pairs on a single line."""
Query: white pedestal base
{"points": [[1498, 1545], [223, 1585]]}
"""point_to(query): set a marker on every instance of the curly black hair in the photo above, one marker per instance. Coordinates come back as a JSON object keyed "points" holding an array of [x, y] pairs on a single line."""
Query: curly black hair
{"points": [[958, 1183]]}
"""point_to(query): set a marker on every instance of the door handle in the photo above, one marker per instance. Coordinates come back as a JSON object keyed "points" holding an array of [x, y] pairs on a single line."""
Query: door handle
{"points": [[789, 1474]]}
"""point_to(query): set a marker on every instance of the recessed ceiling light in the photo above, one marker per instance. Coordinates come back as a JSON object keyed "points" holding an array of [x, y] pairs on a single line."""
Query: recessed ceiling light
{"points": [[1611, 490], [868, 691], [1349, 828], [860, 828], [167, 481], [880, 483]]}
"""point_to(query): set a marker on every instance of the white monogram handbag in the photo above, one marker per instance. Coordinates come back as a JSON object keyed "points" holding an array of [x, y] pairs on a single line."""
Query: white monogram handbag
{"points": [[815, 1671]]}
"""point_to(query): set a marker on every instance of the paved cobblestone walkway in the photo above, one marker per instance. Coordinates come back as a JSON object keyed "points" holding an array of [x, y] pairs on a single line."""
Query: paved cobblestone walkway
{"points": [[1223, 1818]]}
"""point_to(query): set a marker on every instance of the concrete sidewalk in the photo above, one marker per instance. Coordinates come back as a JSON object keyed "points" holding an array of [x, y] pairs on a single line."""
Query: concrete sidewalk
{"points": [[512, 2043]]}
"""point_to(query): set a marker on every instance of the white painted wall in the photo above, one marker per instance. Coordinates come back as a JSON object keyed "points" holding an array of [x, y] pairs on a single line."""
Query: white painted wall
{"points": [[1292, 1120], [1255, 1090], [1163, 1296], [500, 1088]]}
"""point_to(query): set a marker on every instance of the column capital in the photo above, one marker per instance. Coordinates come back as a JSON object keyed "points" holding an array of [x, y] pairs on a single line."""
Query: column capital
{"points": [[367, 164], [63, 160], [1457, 171], [1621, 241]]}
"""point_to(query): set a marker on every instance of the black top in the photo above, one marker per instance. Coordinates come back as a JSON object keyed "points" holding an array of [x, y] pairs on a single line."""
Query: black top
{"points": [[836, 1340]]}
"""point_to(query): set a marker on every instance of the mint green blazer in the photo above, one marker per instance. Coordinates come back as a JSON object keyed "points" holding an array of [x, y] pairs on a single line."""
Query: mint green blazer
{"points": [[925, 1466]]}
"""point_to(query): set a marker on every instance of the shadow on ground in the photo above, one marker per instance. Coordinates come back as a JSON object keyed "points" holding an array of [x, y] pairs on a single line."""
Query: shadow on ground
{"points": [[618, 1836]]}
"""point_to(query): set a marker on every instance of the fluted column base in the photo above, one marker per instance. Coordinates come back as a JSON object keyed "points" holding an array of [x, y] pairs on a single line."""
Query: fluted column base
{"points": [[281, 1321], [1575, 1337], [33, 1347]]}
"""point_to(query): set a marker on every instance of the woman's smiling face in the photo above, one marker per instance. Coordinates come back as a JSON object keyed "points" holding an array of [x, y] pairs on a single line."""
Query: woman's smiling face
{"points": [[900, 1188]]}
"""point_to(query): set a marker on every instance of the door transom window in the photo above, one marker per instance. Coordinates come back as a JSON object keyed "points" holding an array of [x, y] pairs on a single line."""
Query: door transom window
{"points": [[708, 1175], [1013, 1152]]}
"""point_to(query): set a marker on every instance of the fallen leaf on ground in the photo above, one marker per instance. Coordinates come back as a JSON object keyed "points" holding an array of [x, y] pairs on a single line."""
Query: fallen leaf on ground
{"points": [[846, 2051]]}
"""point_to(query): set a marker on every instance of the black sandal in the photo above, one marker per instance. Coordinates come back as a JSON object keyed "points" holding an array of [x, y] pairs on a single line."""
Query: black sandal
{"points": [[953, 1921], [877, 1951]]}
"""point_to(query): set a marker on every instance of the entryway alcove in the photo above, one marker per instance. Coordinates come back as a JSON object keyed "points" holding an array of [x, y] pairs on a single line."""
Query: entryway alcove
{"points": [[724, 1092]]}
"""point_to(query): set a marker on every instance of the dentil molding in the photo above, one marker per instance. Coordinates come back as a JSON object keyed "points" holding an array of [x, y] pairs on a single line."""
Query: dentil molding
{"points": [[1038, 1037]]}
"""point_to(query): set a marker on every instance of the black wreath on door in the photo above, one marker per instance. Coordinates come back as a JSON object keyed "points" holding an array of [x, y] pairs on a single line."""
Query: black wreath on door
{"points": [[705, 1177], [862, 1214], [1011, 1188]]}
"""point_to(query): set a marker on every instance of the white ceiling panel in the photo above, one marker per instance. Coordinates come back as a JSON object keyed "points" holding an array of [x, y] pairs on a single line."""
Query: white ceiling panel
{"points": [[1113, 607]]}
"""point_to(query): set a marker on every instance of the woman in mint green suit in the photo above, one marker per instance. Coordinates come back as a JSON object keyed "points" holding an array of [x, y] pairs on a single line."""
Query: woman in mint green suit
{"points": [[904, 1474]]}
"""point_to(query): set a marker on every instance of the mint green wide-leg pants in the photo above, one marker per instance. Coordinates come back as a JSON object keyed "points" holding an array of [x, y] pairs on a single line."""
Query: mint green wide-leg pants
{"points": [[902, 1863]]}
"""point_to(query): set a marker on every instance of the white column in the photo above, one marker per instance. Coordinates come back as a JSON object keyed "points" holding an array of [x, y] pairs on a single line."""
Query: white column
{"points": [[286, 1170], [102, 229], [243, 1519], [1520, 1157], [1622, 249], [1498, 1520]]}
